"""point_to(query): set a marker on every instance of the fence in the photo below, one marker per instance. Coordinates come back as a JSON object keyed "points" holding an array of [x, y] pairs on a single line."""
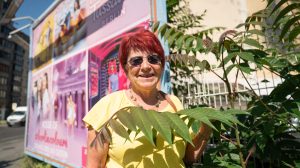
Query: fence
{"points": [[212, 91]]}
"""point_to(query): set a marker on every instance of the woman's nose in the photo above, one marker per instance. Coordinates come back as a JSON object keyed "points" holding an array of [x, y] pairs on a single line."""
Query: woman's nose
{"points": [[145, 64]]}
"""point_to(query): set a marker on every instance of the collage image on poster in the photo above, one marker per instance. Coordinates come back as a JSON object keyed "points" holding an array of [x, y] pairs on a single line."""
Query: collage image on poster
{"points": [[57, 106], [105, 72], [61, 32]]}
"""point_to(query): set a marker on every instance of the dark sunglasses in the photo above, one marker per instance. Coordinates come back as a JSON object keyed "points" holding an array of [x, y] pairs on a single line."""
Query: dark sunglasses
{"points": [[138, 60]]}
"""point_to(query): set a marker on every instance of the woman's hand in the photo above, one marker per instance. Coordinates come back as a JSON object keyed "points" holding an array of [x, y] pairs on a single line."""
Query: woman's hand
{"points": [[193, 153], [96, 155]]}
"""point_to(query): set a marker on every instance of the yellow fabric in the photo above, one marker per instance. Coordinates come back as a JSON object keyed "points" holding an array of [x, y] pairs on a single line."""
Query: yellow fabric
{"points": [[139, 152]]}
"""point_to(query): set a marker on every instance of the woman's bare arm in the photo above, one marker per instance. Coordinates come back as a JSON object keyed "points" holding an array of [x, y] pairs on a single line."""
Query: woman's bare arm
{"points": [[193, 153], [96, 155]]}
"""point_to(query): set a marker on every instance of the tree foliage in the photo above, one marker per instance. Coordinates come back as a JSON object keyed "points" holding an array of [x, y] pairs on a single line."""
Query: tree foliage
{"points": [[266, 137]]}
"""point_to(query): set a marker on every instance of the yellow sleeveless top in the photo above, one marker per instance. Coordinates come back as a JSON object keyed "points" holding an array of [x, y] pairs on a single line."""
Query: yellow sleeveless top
{"points": [[138, 152]]}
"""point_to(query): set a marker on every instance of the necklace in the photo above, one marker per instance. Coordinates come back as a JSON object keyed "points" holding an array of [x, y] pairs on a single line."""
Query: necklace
{"points": [[134, 99]]}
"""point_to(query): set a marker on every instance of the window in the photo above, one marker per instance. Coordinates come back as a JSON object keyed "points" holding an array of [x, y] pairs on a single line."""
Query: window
{"points": [[5, 30], [2, 93], [4, 68], [16, 88], [6, 43], [18, 68], [5, 55], [19, 49], [17, 78], [3, 81]]}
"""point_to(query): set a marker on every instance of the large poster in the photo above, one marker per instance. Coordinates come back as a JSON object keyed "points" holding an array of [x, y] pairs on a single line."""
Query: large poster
{"points": [[74, 63], [55, 128]]}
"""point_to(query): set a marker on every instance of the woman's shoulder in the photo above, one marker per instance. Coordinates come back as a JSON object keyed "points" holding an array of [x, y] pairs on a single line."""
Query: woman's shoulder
{"points": [[175, 100], [103, 109]]}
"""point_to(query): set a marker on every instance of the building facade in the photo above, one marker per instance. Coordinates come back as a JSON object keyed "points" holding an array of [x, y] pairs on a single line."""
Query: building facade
{"points": [[14, 53]]}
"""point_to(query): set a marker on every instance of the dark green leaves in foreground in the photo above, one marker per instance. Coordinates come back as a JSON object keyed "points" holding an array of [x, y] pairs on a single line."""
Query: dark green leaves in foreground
{"points": [[167, 124]]}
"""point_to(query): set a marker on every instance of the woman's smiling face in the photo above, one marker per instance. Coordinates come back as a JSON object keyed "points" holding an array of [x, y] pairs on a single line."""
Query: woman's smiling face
{"points": [[144, 76]]}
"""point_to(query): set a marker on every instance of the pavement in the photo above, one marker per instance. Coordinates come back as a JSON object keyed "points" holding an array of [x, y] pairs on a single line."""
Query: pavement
{"points": [[11, 146]]}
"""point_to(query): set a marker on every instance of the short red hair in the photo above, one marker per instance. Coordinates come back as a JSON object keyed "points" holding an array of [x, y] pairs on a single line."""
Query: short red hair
{"points": [[143, 41]]}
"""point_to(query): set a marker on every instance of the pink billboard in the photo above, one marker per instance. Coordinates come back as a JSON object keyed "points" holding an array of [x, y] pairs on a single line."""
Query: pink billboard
{"points": [[55, 128], [74, 63]]}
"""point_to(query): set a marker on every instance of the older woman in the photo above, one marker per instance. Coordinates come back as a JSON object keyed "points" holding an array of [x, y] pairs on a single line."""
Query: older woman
{"points": [[142, 58]]}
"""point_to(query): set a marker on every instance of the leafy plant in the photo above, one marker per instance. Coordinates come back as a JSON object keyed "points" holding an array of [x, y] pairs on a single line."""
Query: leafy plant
{"points": [[267, 137], [167, 124], [269, 128]]}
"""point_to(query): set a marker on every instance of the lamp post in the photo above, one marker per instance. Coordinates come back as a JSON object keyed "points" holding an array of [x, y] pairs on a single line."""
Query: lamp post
{"points": [[23, 27]]}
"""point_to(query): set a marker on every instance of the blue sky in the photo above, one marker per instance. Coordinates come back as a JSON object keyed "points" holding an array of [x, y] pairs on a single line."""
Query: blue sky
{"points": [[33, 8]]}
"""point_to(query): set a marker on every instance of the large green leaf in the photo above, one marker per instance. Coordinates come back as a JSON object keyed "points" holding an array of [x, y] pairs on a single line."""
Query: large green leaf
{"points": [[246, 56], [173, 38], [205, 114], [160, 124], [169, 33], [245, 69], [229, 57], [141, 119], [288, 25], [178, 126], [155, 26], [256, 32], [253, 43], [278, 5], [294, 33], [126, 119], [229, 68], [119, 129], [189, 42], [286, 10], [162, 29]]}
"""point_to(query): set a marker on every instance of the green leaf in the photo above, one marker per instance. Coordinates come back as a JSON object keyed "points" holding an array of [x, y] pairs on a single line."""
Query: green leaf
{"points": [[140, 117], [174, 37], [203, 115], [169, 33], [247, 70], [178, 126], [246, 56], [228, 58], [118, 128], [179, 42], [278, 5], [288, 25], [294, 33], [206, 64], [256, 31], [126, 119], [155, 26], [160, 124], [286, 10], [192, 60], [229, 68], [162, 29], [199, 44], [253, 43], [189, 42]]}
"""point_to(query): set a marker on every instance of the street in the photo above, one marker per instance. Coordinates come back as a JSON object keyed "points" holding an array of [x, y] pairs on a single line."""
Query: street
{"points": [[11, 146]]}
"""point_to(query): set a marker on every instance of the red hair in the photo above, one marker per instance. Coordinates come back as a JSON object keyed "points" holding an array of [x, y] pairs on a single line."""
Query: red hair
{"points": [[142, 41]]}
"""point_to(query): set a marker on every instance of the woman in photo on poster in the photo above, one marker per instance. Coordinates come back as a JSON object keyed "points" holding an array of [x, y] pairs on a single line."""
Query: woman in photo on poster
{"points": [[71, 115], [46, 106]]}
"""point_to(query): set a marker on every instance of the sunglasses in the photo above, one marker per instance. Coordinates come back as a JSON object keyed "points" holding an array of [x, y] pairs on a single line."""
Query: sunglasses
{"points": [[138, 60]]}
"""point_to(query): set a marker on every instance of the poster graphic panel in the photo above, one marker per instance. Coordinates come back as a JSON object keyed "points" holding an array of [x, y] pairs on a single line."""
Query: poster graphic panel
{"points": [[55, 128]]}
